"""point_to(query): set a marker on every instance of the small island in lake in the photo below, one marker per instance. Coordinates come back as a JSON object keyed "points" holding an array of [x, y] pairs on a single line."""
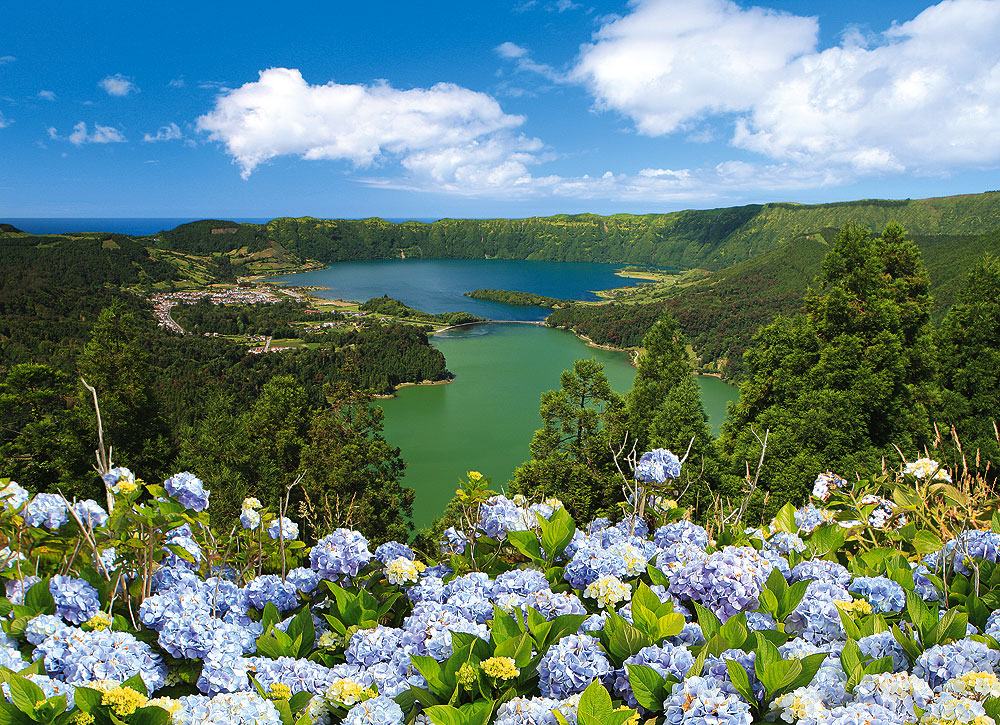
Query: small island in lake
{"points": [[518, 299]]}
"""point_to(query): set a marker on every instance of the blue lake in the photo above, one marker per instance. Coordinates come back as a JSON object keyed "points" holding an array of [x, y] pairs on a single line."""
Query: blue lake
{"points": [[438, 285]]}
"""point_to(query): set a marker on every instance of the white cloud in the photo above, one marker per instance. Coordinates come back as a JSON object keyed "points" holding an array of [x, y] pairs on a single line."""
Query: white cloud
{"points": [[118, 85], [100, 134], [510, 50], [5, 59], [922, 97], [436, 132], [176, 82], [47, 95], [170, 132], [520, 54], [4, 122]]}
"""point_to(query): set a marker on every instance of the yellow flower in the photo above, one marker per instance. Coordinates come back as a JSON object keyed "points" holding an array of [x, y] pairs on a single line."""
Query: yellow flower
{"points": [[167, 703], [633, 719], [347, 692], [100, 620], [123, 701], [466, 675], [83, 718], [858, 606], [501, 668], [403, 571], [474, 475], [279, 691], [125, 487]]}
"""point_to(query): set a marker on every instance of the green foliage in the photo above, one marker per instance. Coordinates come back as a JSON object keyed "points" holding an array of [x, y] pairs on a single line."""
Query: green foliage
{"points": [[385, 305], [838, 385], [518, 299]]}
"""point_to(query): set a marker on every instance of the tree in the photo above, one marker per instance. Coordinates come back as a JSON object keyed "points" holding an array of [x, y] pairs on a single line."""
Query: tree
{"points": [[842, 382], [969, 345], [664, 410], [277, 426], [571, 452], [39, 437], [351, 475], [116, 364]]}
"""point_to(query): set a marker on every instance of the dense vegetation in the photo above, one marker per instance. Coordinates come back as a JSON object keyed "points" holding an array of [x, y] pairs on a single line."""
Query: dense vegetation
{"points": [[518, 299], [385, 305], [260, 319]]}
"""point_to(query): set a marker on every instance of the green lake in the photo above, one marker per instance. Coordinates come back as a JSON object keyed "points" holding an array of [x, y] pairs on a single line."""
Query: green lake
{"points": [[484, 419]]}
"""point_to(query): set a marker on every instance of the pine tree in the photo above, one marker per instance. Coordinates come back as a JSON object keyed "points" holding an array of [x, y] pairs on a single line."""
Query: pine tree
{"points": [[969, 344], [839, 384]]}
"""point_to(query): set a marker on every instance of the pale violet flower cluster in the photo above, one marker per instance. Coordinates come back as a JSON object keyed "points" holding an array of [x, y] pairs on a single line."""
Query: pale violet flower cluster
{"points": [[376, 711], [498, 515], [943, 662], [242, 708], [342, 553], [900, 692], [668, 660], [821, 570], [816, 618], [809, 517], [681, 532], [884, 594], [283, 528], [453, 542], [189, 491], [14, 496], [76, 599], [658, 466], [728, 581], [826, 483], [571, 664], [46, 509], [79, 657], [91, 513], [699, 700]]}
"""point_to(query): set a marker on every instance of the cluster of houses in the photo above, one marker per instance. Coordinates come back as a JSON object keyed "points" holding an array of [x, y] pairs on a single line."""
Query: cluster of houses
{"points": [[164, 301]]}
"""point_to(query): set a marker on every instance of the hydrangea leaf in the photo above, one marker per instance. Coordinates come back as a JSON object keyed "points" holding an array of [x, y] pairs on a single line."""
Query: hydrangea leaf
{"points": [[648, 686]]}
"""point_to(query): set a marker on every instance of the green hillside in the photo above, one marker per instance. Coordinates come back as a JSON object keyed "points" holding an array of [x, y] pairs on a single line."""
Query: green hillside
{"points": [[710, 238]]}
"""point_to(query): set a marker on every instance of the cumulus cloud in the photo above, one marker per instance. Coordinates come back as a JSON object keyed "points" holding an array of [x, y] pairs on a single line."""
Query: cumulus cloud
{"points": [[921, 97], [118, 85], [47, 95], [100, 134], [443, 132], [170, 132], [523, 61]]}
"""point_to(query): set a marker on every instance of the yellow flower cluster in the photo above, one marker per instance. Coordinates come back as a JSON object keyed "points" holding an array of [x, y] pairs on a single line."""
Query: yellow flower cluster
{"points": [[100, 620], [466, 675], [403, 571], [327, 639], [279, 691], [251, 504], [857, 606], [633, 720], [608, 591], [347, 692], [167, 703], [474, 475], [123, 701], [977, 685], [125, 487], [83, 718], [501, 668]]}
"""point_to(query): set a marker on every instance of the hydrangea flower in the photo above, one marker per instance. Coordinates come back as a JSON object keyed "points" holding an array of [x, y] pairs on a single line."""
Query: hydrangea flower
{"points": [[393, 550], [821, 570], [977, 685], [298, 675], [453, 542], [802, 705], [570, 665], [681, 532], [342, 553], [17, 588], [944, 662], [91, 513], [667, 660], [608, 591], [304, 580], [809, 518], [899, 692], [884, 594], [784, 543], [376, 711], [402, 571], [816, 618], [883, 511], [188, 489], [857, 713], [826, 483], [952, 710], [283, 528], [368, 646], [48, 510], [527, 711], [727, 582], [428, 630], [498, 515], [76, 599], [249, 514], [658, 466], [883, 644], [925, 467], [13, 496], [700, 701], [79, 657], [270, 588], [241, 708], [120, 481]]}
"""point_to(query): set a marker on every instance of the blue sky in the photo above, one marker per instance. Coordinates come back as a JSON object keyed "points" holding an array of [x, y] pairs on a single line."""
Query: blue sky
{"points": [[515, 108]]}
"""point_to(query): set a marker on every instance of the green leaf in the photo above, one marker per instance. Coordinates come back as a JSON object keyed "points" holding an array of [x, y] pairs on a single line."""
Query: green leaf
{"points": [[623, 640], [648, 686], [444, 715], [735, 630], [302, 627], [785, 520], [657, 577], [779, 675], [851, 657], [39, 599], [557, 532], [926, 542], [526, 542], [741, 681], [152, 715], [25, 694], [595, 706], [827, 538], [430, 668], [810, 666], [707, 620]]}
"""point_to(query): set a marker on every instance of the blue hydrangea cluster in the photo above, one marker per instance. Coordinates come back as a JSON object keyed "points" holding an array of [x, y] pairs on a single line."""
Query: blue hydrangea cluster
{"points": [[498, 515], [48, 510], [393, 550], [816, 618], [242, 708], [884, 594], [922, 586], [571, 665], [342, 553], [377, 711], [668, 660], [76, 599], [453, 542], [300, 675], [658, 466], [283, 528], [883, 644], [969, 544], [304, 580], [527, 711], [79, 657], [784, 543], [942, 662], [428, 629], [271, 588], [681, 532], [189, 491], [91, 513], [821, 570], [809, 517], [700, 700], [368, 646], [14, 496]]}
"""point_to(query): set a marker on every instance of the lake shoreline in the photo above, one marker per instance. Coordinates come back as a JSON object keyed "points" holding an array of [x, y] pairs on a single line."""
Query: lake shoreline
{"points": [[413, 385]]}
